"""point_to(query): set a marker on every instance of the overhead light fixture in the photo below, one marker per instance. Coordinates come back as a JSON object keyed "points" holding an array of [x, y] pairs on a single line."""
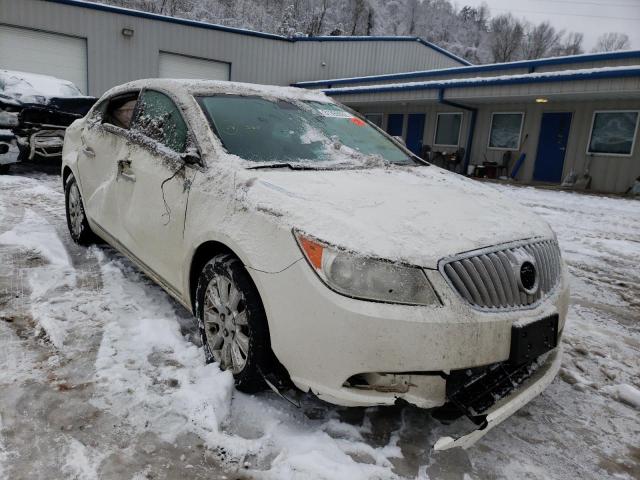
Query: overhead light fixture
{"points": [[542, 100], [127, 32]]}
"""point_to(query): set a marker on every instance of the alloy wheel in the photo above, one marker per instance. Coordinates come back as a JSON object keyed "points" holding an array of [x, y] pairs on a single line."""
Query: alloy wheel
{"points": [[225, 321], [76, 214]]}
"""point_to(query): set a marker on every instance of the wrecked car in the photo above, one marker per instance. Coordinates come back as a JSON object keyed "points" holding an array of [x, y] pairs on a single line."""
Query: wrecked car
{"points": [[37, 109], [312, 246]]}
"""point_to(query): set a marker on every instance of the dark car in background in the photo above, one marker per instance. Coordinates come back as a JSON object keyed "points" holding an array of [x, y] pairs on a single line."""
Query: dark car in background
{"points": [[35, 110]]}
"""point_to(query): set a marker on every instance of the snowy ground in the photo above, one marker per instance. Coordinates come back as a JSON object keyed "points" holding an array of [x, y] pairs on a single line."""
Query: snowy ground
{"points": [[101, 376]]}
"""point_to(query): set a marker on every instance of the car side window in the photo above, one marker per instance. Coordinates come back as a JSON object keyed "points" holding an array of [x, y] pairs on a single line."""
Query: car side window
{"points": [[159, 119], [119, 110]]}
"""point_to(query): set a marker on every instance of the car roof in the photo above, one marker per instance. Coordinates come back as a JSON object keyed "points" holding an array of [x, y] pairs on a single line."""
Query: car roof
{"points": [[197, 87]]}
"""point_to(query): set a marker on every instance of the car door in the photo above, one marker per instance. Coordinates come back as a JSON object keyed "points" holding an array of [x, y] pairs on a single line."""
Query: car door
{"points": [[154, 190], [104, 144]]}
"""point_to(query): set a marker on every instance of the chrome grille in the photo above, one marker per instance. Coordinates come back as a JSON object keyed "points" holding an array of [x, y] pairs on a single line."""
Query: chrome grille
{"points": [[490, 278]]}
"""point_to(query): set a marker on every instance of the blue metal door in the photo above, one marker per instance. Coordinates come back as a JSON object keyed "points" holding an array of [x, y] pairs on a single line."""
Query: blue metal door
{"points": [[415, 129], [394, 124], [552, 145]]}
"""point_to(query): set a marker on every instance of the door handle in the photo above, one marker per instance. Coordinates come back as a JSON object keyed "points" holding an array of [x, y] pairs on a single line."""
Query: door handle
{"points": [[88, 151], [124, 170]]}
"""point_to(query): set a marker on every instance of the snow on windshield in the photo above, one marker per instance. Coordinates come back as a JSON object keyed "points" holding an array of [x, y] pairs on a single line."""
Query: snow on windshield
{"points": [[32, 87], [264, 130]]}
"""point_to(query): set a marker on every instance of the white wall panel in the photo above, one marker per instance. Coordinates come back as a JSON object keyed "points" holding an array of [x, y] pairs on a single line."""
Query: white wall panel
{"points": [[45, 53]]}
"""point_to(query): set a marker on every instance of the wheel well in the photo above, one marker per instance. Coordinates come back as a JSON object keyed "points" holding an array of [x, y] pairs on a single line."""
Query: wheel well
{"points": [[202, 255], [65, 174]]}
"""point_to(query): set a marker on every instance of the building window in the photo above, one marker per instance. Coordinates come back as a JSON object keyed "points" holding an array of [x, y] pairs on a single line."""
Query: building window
{"points": [[506, 129], [448, 129], [613, 132], [375, 118]]}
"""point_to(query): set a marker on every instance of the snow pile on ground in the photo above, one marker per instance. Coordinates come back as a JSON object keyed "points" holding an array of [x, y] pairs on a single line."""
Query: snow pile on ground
{"points": [[625, 393], [149, 373], [56, 276]]}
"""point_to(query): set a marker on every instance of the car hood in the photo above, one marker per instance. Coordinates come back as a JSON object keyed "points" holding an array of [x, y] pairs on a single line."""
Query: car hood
{"points": [[416, 215]]}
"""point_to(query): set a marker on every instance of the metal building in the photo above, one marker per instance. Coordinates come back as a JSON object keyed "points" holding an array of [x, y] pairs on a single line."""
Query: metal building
{"points": [[98, 46], [576, 114]]}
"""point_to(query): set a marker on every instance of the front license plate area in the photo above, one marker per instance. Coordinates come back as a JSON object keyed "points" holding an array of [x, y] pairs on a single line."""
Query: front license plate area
{"points": [[530, 341]]}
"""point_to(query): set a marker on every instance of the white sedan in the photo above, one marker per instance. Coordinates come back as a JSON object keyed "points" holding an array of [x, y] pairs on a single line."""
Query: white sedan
{"points": [[314, 248]]}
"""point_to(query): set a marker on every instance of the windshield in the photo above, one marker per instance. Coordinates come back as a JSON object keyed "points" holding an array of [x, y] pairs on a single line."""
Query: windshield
{"points": [[264, 130]]}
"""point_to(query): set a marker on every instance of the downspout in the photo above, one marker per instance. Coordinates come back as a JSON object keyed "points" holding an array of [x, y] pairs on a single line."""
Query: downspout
{"points": [[472, 127]]}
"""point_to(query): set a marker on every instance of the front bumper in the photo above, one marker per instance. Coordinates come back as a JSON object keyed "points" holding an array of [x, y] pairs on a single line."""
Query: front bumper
{"points": [[507, 406], [324, 339]]}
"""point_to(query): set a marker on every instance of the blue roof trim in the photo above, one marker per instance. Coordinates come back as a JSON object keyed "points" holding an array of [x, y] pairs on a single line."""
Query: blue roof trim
{"points": [[447, 84], [568, 60], [444, 52], [253, 33]]}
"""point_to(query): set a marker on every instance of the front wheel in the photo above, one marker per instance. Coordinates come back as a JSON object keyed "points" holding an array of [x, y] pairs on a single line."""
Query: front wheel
{"points": [[232, 321], [76, 218]]}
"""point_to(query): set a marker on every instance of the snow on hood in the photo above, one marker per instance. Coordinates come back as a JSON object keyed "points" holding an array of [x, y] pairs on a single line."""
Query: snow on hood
{"points": [[416, 215], [35, 88]]}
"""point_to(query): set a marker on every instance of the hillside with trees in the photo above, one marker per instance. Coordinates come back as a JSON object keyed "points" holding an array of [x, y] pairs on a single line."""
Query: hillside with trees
{"points": [[469, 32]]}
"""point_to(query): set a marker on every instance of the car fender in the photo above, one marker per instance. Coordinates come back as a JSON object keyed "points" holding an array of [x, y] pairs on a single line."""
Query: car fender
{"points": [[280, 252]]}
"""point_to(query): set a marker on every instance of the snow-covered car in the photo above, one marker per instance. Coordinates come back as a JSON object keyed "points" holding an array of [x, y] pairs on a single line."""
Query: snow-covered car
{"points": [[312, 246], [37, 109]]}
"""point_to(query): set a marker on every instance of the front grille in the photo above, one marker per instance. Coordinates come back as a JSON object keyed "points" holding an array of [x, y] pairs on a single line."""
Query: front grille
{"points": [[500, 277]]}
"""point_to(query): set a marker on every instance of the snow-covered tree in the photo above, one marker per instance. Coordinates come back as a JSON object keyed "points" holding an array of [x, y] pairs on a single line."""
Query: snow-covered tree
{"points": [[467, 31]]}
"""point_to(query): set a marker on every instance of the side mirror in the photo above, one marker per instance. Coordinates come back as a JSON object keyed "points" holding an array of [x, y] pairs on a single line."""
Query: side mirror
{"points": [[191, 156], [399, 139]]}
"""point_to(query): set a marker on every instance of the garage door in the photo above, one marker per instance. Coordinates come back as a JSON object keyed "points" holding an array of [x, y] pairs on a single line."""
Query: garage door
{"points": [[46, 53], [181, 66]]}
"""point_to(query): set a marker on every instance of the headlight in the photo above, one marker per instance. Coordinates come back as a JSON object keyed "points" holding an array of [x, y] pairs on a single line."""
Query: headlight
{"points": [[367, 278]]}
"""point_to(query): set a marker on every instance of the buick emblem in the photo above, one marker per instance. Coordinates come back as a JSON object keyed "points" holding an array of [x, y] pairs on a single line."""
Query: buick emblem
{"points": [[528, 277]]}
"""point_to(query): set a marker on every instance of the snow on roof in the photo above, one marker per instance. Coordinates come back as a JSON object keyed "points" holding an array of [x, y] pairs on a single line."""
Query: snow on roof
{"points": [[212, 87], [560, 75], [27, 87], [558, 60]]}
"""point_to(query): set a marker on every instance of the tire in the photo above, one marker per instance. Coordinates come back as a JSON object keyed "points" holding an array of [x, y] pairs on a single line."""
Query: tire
{"points": [[232, 322], [23, 152], [77, 224], [4, 168]]}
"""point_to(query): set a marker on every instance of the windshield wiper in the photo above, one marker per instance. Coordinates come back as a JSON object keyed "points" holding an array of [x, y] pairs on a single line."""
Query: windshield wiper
{"points": [[291, 166]]}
